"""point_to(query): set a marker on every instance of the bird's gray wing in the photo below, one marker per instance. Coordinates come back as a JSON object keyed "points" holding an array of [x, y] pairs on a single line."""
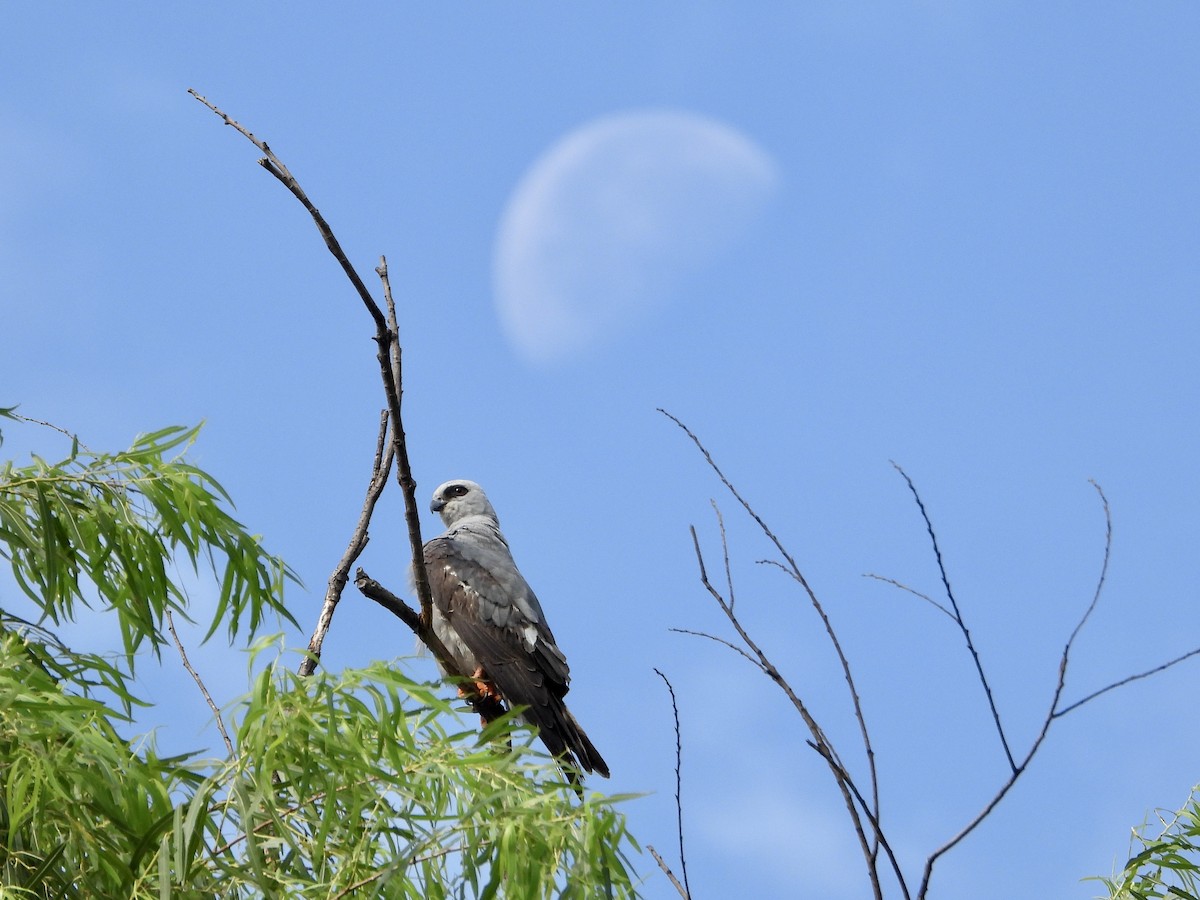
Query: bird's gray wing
{"points": [[488, 604], [492, 613]]}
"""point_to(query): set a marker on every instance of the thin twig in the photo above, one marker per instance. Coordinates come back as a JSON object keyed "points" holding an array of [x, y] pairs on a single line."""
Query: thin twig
{"points": [[667, 871], [1125, 681], [380, 469], [862, 802], [678, 784], [74, 437], [958, 618], [200, 684], [275, 166], [720, 640], [904, 587], [1108, 536]]}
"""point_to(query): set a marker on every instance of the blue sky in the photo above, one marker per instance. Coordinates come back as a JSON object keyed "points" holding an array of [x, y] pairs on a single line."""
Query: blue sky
{"points": [[960, 236]]}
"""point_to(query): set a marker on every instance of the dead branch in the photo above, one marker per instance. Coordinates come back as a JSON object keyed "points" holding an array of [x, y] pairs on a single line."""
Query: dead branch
{"points": [[820, 741], [794, 572], [958, 618], [200, 684], [388, 355], [667, 871], [358, 542], [687, 889], [904, 587], [487, 706]]}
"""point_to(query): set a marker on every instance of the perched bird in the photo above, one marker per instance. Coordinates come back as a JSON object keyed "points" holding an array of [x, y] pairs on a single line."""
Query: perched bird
{"points": [[492, 624]]}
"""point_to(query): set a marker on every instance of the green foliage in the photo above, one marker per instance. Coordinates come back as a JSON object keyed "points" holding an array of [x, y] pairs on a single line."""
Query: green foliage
{"points": [[339, 785], [115, 523], [1167, 864]]}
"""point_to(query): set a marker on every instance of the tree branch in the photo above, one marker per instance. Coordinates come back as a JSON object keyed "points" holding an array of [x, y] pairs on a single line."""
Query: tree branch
{"points": [[904, 587], [388, 354], [958, 618], [687, 891], [391, 369], [793, 570], [358, 542], [667, 871], [275, 166], [200, 684], [825, 748]]}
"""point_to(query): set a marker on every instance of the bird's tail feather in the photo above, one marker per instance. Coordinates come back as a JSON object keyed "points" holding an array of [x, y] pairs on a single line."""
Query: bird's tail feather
{"points": [[567, 741], [582, 748]]}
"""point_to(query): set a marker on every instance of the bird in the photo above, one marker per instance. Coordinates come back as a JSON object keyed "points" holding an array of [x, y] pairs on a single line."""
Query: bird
{"points": [[494, 628]]}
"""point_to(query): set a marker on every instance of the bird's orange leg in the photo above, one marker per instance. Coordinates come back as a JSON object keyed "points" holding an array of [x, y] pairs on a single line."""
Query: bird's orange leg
{"points": [[481, 687]]}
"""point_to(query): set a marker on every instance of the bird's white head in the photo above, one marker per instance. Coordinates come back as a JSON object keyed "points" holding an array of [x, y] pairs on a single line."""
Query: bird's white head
{"points": [[455, 500]]}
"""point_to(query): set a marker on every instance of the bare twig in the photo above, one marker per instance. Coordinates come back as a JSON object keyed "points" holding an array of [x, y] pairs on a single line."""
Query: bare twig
{"points": [[720, 640], [794, 572], [904, 587], [856, 803], [1108, 536], [678, 783], [1124, 681], [958, 618], [200, 684], [1054, 712], [667, 871], [384, 452], [74, 437], [275, 166]]}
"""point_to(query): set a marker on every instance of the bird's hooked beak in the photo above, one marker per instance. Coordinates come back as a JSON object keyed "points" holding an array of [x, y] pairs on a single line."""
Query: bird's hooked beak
{"points": [[437, 505]]}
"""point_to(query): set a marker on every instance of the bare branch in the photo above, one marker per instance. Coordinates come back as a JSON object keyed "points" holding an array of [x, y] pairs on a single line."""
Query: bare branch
{"points": [[389, 355], [862, 802], [678, 785], [1108, 535], [200, 684], [391, 369], [275, 166], [904, 587], [667, 871], [384, 452], [794, 571], [730, 644], [1053, 713], [1124, 681], [840, 774], [958, 618]]}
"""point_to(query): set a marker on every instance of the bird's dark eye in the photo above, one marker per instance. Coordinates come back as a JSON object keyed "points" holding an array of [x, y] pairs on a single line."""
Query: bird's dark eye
{"points": [[457, 490]]}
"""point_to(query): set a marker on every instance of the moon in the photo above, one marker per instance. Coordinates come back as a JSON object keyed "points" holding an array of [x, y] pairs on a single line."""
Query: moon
{"points": [[606, 224]]}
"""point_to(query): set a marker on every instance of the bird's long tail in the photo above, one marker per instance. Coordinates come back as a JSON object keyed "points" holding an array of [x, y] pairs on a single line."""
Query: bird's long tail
{"points": [[567, 741], [582, 748]]}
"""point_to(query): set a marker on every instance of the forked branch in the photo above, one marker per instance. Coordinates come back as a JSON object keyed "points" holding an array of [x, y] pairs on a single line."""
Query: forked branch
{"points": [[389, 357], [863, 811], [956, 614], [793, 570], [856, 804]]}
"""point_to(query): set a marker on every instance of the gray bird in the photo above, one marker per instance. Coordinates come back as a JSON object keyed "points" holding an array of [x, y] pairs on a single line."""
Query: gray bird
{"points": [[491, 622]]}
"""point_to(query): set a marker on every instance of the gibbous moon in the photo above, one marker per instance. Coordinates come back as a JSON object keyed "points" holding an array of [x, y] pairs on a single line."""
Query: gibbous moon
{"points": [[606, 224]]}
